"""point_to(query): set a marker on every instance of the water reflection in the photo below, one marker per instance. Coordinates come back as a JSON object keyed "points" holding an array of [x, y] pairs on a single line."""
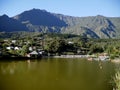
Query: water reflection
{"points": [[8, 68], [19, 66], [56, 74]]}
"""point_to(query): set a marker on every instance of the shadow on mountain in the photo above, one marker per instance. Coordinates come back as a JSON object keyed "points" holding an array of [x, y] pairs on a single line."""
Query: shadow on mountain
{"points": [[40, 17], [90, 33], [10, 25]]}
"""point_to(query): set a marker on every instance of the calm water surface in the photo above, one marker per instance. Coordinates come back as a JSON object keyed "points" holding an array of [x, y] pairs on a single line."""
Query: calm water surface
{"points": [[56, 74]]}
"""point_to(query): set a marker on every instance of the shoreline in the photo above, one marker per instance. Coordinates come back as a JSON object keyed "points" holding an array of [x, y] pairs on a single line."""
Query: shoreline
{"points": [[72, 56], [88, 57], [115, 61], [61, 56]]}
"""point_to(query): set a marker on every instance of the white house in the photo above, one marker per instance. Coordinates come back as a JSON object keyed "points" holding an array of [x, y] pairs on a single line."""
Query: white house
{"points": [[34, 54], [13, 41], [9, 48], [16, 48], [41, 52], [30, 49], [70, 42], [6, 40], [102, 58]]}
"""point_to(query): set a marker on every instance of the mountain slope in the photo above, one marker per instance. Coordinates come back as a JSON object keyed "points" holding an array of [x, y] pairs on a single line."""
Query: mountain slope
{"points": [[46, 22], [39, 17], [100, 25], [8, 24], [40, 20], [116, 22]]}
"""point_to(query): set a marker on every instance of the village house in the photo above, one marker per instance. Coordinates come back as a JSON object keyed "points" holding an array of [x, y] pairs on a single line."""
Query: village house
{"points": [[30, 49], [13, 48], [6, 40], [9, 48], [13, 41], [16, 48], [33, 54], [103, 56], [70, 42], [41, 52]]}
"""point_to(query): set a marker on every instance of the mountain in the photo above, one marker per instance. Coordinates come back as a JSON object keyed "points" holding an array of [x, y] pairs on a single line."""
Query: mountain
{"points": [[36, 20], [95, 26], [39, 17], [9, 24], [40, 20]]}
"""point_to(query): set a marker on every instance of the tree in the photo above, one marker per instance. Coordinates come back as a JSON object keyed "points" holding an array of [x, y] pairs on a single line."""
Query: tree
{"points": [[56, 45], [24, 50]]}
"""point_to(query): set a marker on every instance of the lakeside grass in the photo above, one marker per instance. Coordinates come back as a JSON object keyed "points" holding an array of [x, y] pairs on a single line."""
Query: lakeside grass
{"points": [[116, 80]]}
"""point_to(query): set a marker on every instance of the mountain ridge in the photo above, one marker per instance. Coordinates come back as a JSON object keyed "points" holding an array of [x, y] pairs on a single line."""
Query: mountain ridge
{"points": [[46, 22]]}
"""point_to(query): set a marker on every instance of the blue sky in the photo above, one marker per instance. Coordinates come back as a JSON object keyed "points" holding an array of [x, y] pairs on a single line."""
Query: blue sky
{"points": [[110, 8]]}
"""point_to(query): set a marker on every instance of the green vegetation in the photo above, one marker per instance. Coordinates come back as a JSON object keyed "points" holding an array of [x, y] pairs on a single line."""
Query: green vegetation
{"points": [[117, 80], [58, 44]]}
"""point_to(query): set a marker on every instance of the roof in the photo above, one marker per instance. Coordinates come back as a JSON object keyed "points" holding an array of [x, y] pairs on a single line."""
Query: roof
{"points": [[34, 53]]}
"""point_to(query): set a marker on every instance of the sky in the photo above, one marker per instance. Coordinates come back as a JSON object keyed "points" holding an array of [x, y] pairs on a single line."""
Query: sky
{"points": [[80, 8]]}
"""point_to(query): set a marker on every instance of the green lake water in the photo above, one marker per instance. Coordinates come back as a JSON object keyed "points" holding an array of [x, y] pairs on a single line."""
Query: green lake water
{"points": [[56, 74]]}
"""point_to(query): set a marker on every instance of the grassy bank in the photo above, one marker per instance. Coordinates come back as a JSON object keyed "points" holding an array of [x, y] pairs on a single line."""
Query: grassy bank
{"points": [[117, 80]]}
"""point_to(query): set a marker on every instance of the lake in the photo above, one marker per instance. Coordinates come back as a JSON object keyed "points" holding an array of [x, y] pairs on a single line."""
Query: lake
{"points": [[57, 74]]}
